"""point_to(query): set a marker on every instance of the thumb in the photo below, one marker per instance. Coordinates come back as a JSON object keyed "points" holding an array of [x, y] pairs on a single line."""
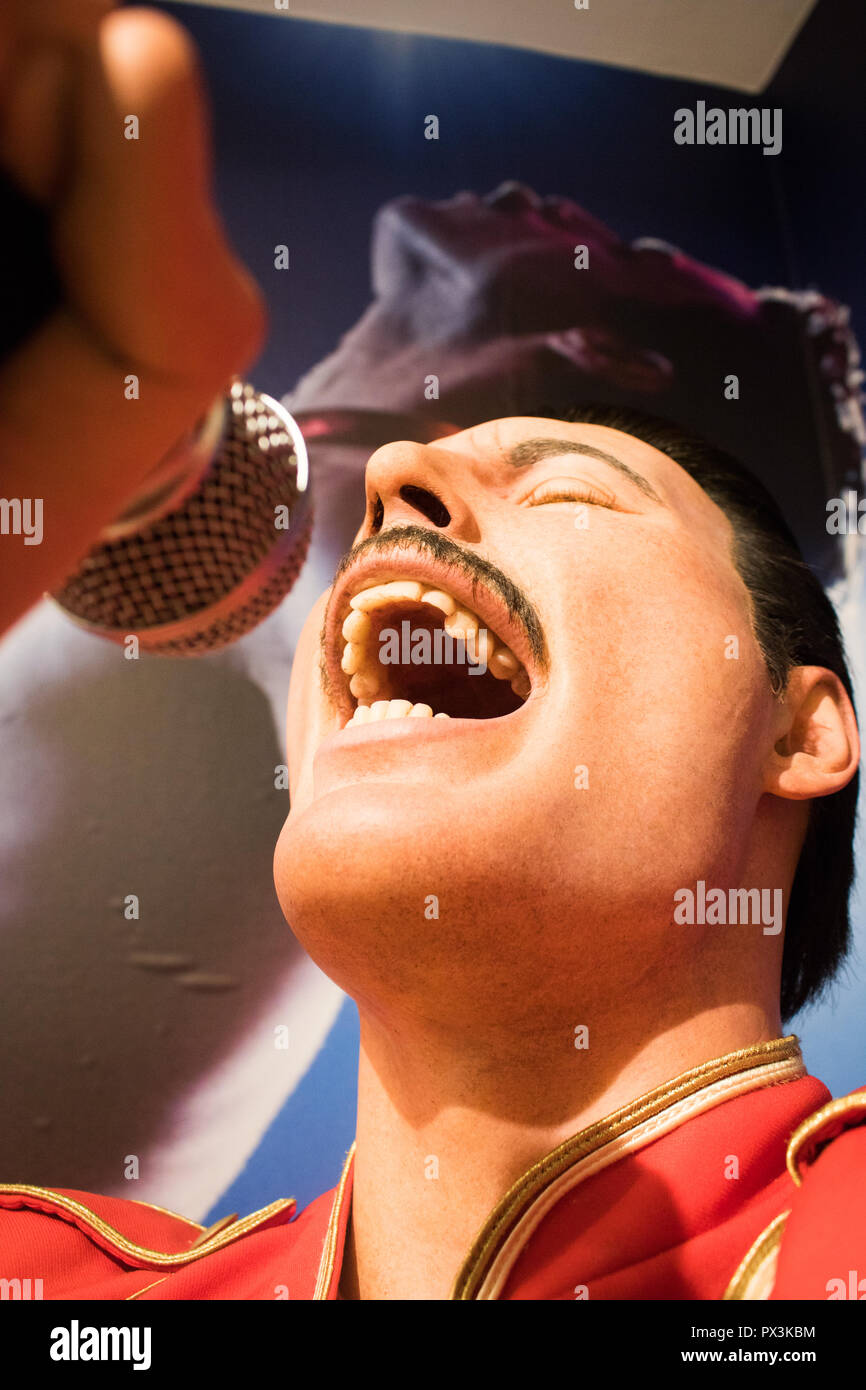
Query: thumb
{"points": [[137, 238]]}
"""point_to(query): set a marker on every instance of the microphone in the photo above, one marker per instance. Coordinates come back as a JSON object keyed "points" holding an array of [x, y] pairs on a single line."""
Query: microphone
{"points": [[213, 540]]}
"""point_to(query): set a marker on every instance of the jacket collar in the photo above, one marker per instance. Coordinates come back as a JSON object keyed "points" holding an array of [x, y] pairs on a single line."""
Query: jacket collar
{"points": [[513, 1220]]}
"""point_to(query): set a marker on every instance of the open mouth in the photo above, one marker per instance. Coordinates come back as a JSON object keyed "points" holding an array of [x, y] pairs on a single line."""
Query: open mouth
{"points": [[411, 649]]}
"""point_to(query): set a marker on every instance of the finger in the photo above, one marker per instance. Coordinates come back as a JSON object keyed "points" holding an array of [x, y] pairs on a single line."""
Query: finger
{"points": [[33, 128], [27, 22], [64, 20], [138, 239], [70, 437]]}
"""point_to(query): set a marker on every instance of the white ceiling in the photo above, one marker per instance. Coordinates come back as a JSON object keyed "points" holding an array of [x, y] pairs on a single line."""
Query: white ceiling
{"points": [[735, 43]]}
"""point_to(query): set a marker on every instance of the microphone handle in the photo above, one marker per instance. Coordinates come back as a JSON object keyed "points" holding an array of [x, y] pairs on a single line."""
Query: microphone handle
{"points": [[30, 287]]}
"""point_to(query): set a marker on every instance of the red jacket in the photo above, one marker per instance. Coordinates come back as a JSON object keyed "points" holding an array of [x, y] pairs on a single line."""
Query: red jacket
{"points": [[739, 1179]]}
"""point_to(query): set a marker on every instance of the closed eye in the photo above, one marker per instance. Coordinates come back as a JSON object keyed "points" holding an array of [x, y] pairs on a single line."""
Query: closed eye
{"points": [[562, 490]]}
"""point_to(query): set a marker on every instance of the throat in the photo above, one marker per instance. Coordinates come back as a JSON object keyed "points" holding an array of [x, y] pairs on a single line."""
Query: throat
{"points": [[428, 1170], [437, 1149]]}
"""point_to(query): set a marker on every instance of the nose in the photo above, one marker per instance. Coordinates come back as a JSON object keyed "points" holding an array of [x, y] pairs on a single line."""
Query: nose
{"points": [[412, 484]]}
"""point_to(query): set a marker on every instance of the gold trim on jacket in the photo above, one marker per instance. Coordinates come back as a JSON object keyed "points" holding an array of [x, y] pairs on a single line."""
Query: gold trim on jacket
{"points": [[502, 1237], [506, 1231], [332, 1234], [139, 1253], [756, 1273], [819, 1129]]}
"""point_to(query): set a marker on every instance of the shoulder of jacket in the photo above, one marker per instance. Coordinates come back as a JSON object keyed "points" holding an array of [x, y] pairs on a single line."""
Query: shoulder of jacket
{"points": [[139, 1234], [823, 1223], [819, 1130]]}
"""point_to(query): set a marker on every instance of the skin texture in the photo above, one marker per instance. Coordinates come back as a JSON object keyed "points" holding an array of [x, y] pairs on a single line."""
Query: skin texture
{"points": [[555, 903]]}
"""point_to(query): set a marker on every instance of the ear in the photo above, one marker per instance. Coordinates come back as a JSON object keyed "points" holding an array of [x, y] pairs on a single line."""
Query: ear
{"points": [[817, 745]]}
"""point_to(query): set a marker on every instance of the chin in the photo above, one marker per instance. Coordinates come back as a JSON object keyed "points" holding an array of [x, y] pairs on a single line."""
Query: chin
{"points": [[388, 886], [351, 858]]}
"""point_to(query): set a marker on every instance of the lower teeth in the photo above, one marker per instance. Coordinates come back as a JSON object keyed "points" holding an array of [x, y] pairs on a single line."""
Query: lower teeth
{"points": [[392, 709]]}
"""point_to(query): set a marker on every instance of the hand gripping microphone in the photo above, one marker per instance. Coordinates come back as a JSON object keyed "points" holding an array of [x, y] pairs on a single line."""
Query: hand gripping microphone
{"points": [[216, 535], [212, 541]]}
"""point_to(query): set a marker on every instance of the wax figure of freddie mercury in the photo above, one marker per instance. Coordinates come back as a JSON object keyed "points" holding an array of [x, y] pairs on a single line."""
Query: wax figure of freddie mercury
{"points": [[567, 1088]]}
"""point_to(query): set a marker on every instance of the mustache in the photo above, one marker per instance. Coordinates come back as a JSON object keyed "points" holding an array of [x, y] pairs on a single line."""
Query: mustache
{"points": [[475, 568]]}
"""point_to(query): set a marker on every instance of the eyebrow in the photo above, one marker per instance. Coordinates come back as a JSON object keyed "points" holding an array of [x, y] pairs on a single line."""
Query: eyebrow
{"points": [[531, 451]]}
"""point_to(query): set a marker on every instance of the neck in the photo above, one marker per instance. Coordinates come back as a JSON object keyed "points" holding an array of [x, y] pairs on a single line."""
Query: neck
{"points": [[446, 1123]]}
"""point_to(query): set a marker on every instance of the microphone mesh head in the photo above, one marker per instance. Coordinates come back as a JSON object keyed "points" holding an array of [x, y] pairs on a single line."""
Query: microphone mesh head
{"points": [[214, 566]]}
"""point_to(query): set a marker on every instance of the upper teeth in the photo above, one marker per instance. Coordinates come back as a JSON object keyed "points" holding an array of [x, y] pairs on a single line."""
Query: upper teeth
{"points": [[362, 664]]}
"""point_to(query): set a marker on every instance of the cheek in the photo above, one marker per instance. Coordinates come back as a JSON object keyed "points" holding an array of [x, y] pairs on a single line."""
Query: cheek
{"points": [[662, 694], [663, 634]]}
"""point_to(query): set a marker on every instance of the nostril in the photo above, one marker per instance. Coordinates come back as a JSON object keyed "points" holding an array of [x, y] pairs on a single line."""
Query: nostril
{"points": [[427, 503]]}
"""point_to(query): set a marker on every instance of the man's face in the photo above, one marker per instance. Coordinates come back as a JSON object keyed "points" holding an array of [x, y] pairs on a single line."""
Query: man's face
{"points": [[545, 834]]}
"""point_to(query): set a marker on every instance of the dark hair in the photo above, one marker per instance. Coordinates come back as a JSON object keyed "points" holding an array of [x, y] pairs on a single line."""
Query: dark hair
{"points": [[795, 624]]}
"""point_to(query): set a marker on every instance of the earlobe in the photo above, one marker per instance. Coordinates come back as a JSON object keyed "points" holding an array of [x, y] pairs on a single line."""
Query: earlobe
{"points": [[817, 745]]}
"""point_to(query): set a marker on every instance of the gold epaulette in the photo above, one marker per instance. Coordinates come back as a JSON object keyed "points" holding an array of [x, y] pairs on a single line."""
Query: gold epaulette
{"points": [[756, 1272]]}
